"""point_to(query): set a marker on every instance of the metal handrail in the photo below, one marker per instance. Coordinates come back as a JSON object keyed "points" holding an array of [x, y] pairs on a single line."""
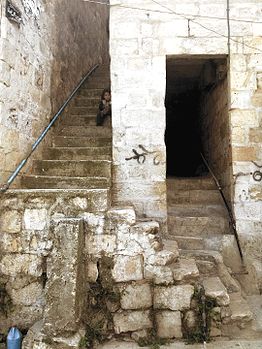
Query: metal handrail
{"points": [[230, 213], [10, 180]]}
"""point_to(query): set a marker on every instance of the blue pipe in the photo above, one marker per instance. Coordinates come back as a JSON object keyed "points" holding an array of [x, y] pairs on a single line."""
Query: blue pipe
{"points": [[14, 339]]}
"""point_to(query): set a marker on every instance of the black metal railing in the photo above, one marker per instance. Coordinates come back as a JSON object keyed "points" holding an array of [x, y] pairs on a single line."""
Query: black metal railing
{"points": [[230, 213], [10, 180]]}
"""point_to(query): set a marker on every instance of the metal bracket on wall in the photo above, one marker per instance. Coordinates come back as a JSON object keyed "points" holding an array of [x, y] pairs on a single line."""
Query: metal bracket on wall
{"points": [[13, 13]]}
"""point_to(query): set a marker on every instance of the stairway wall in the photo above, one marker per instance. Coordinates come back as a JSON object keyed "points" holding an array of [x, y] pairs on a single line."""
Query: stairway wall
{"points": [[41, 61]]}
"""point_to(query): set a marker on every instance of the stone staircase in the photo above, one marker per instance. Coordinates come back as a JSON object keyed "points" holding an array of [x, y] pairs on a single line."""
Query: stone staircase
{"points": [[199, 223], [80, 155]]}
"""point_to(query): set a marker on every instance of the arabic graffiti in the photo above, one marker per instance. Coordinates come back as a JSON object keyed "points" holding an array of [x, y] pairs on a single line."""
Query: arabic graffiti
{"points": [[140, 157], [257, 175]]}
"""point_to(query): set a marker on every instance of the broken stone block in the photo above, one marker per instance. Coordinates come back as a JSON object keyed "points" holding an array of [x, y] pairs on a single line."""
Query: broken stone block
{"points": [[150, 227], [138, 335], [169, 324], [173, 297], [65, 288], [161, 258], [127, 268], [216, 290], [127, 321], [185, 269], [136, 296], [160, 275], [28, 295]]}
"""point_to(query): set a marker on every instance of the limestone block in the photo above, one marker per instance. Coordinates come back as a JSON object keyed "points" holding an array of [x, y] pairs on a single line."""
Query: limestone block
{"points": [[11, 222], [136, 296], [122, 215], [96, 244], [127, 321], [35, 219], [185, 269], [149, 227], [160, 275], [65, 288], [14, 264], [10, 243], [216, 290], [169, 324], [28, 295], [244, 153], [128, 268], [94, 223], [173, 297], [244, 117], [162, 258], [138, 335]]}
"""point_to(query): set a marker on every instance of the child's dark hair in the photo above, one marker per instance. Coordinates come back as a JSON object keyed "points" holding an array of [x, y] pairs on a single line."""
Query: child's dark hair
{"points": [[104, 92]]}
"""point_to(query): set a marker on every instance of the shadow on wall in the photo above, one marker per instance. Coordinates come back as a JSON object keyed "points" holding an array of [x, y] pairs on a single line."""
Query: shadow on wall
{"points": [[80, 40]]}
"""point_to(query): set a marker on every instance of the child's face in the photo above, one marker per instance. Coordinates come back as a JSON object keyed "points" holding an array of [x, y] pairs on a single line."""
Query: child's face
{"points": [[107, 96]]}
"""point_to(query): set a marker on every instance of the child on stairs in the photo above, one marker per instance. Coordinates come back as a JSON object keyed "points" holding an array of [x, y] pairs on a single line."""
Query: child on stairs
{"points": [[104, 107]]}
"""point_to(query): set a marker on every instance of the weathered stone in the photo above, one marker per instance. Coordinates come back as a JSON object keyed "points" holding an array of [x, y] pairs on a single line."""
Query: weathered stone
{"points": [[125, 215], [146, 228], [216, 290], [132, 321], [28, 295], [35, 219], [185, 269], [169, 324], [65, 301], [138, 335], [240, 310], [160, 275], [21, 264], [128, 268], [92, 271], [136, 296], [97, 244], [11, 222], [173, 297], [162, 258], [190, 321]]}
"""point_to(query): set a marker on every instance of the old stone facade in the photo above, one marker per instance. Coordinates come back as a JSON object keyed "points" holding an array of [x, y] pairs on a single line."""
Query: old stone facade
{"points": [[90, 251], [42, 60], [143, 35]]}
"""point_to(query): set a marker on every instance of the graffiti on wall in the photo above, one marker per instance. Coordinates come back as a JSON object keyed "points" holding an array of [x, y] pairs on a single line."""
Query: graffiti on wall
{"points": [[141, 155]]}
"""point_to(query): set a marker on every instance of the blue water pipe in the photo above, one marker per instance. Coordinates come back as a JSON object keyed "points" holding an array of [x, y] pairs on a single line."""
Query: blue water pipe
{"points": [[14, 339]]}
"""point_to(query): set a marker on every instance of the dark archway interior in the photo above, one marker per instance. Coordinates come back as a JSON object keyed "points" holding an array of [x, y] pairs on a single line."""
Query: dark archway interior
{"points": [[188, 79]]}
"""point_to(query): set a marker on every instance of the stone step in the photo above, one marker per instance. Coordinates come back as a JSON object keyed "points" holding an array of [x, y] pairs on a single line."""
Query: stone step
{"points": [[197, 226], [90, 92], [81, 168], [66, 141], [99, 82], [82, 101], [77, 153], [190, 196], [188, 183], [214, 242], [84, 110], [69, 202], [215, 289], [194, 210], [240, 310], [205, 260], [79, 120], [56, 182], [79, 131], [185, 270]]}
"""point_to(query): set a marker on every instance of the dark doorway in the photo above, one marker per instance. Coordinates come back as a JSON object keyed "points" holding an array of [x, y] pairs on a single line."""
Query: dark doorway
{"points": [[189, 82]]}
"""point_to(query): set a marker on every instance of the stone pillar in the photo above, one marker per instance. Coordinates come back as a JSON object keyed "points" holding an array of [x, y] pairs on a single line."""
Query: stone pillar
{"points": [[65, 288]]}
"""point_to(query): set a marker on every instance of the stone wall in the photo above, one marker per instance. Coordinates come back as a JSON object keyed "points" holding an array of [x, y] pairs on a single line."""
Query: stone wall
{"points": [[41, 61], [216, 133], [139, 43]]}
